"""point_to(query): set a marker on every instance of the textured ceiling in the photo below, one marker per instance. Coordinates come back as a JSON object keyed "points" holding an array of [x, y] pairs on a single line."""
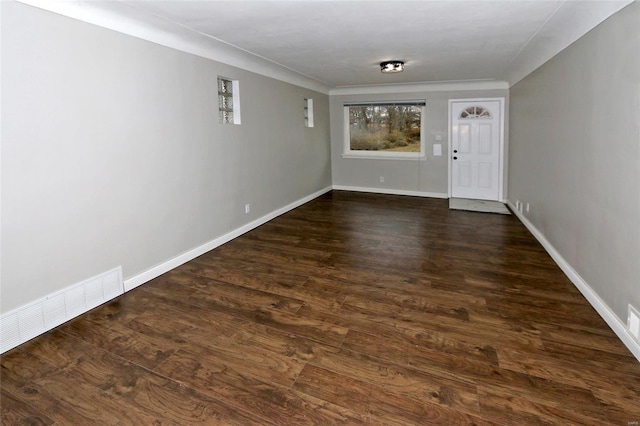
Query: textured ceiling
{"points": [[340, 43]]}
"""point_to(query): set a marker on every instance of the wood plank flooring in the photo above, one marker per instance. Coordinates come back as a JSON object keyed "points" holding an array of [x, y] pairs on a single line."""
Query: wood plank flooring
{"points": [[354, 308]]}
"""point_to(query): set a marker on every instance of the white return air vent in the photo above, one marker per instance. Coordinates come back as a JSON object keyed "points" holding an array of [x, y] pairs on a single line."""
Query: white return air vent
{"points": [[27, 322]]}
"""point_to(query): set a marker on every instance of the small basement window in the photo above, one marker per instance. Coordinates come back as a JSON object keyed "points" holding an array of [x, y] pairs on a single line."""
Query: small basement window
{"points": [[228, 101], [308, 112]]}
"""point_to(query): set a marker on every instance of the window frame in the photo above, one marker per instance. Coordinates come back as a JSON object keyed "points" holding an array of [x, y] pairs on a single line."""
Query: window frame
{"points": [[384, 155]]}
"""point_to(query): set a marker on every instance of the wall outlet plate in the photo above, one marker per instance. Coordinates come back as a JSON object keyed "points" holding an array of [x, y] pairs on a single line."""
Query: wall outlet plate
{"points": [[519, 205]]}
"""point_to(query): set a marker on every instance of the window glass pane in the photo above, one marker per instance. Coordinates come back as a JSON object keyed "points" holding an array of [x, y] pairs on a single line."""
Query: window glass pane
{"points": [[226, 117], [387, 128], [225, 102], [475, 112], [224, 86]]}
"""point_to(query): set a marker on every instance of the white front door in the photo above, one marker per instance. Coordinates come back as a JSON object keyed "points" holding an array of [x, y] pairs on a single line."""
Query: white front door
{"points": [[475, 155]]}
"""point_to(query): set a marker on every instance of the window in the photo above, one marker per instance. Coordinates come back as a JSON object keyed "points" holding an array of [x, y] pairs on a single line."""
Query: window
{"points": [[475, 112], [308, 112], [228, 101], [384, 129]]}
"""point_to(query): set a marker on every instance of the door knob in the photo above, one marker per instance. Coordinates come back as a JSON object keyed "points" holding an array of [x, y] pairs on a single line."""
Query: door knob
{"points": [[455, 151]]}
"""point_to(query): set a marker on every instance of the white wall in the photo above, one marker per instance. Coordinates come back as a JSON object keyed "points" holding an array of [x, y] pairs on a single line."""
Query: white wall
{"points": [[112, 153], [575, 156], [429, 177]]}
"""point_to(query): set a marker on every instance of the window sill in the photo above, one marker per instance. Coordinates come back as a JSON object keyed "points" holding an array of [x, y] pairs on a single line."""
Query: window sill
{"points": [[385, 157]]}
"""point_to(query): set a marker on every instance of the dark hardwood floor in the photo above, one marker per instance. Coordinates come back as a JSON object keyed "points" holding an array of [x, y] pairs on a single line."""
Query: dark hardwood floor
{"points": [[354, 308]]}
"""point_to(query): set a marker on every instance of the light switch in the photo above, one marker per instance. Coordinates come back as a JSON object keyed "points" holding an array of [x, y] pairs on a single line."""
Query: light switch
{"points": [[438, 136], [437, 150]]}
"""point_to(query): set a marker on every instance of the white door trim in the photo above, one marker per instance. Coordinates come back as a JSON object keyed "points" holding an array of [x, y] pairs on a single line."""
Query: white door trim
{"points": [[501, 197]]}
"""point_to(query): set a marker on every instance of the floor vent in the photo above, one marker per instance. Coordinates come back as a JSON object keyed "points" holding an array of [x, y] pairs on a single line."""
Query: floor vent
{"points": [[27, 322]]}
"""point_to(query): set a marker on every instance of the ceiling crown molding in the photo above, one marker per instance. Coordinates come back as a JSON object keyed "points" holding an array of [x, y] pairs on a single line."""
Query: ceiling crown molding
{"points": [[436, 86], [124, 19]]}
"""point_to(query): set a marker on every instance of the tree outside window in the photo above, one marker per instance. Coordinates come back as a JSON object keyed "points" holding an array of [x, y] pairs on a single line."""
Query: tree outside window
{"points": [[385, 128]]}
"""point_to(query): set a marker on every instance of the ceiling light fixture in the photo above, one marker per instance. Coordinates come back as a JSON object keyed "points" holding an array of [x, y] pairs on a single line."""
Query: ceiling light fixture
{"points": [[391, 66]]}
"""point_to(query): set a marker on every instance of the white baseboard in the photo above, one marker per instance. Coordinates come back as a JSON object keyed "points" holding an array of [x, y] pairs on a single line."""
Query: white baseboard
{"points": [[170, 264], [23, 324], [592, 297], [391, 191], [31, 320]]}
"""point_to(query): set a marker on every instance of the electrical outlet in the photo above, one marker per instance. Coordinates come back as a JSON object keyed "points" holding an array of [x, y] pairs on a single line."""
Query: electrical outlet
{"points": [[247, 208], [634, 322], [381, 179]]}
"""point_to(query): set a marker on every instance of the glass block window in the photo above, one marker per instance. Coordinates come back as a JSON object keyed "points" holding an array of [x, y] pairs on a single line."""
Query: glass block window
{"points": [[228, 101], [475, 112], [308, 112]]}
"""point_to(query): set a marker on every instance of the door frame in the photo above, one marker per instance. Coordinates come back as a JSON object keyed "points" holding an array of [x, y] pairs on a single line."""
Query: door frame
{"points": [[501, 142]]}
